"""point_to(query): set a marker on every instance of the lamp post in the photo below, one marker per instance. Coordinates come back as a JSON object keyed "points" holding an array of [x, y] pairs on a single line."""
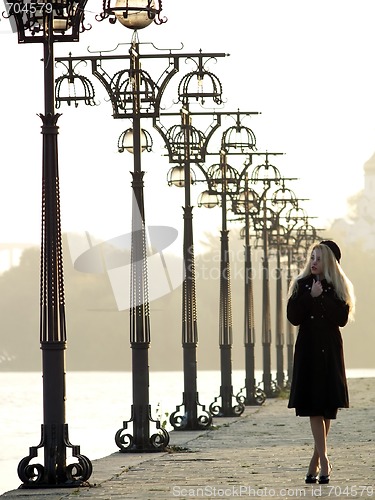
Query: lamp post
{"points": [[187, 145], [266, 220], [46, 23], [281, 198], [303, 234], [294, 218], [185, 139], [223, 182], [279, 326], [246, 204], [222, 178], [135, 95], [289, 327], [140, 336]]}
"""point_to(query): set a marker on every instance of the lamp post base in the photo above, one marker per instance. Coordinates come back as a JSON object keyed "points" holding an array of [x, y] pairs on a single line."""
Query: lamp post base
{"points": [[252, 396], [55, 473], [280, 376], [226, 409], [271, 389], [141, 441], [190, 420], [195, 416]]}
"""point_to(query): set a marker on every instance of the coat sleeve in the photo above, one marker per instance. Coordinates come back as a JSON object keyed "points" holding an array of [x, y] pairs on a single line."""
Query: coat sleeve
{"points": [[299, 306], [334, 309]]}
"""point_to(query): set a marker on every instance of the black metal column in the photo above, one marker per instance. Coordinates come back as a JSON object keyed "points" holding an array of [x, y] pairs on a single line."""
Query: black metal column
{"points": [[139, 300], [225, 319], [54, 432], [280, 338], [190, 419], [250, 381], [270, 387], [289, 327], [266, 321], [253, 394]]}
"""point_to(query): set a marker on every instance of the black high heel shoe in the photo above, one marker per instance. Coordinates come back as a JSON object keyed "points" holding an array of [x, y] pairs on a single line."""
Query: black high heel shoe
{"points": [[325, 479], [311, 479]]}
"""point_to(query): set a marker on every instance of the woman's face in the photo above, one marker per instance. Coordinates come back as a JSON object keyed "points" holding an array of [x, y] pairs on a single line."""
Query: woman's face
{"points": [[316, 263]]}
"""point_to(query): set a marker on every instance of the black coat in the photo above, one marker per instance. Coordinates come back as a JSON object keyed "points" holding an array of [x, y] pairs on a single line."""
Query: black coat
{"points": [[319, 380]]}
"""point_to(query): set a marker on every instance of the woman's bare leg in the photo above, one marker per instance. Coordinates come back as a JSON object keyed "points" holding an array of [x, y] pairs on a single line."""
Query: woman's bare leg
{"points": [[320, 427], [327, 421], [314, 463]]}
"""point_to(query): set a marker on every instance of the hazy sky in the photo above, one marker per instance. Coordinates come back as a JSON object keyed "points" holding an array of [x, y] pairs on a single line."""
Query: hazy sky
{"points": [[307, 66]]}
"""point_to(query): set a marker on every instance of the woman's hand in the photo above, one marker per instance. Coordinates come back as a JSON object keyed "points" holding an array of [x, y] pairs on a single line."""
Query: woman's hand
{"points": [[316, 289]]}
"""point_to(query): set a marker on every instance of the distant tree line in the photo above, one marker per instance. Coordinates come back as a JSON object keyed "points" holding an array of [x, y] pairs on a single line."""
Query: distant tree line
{"points": [[98, 333]]}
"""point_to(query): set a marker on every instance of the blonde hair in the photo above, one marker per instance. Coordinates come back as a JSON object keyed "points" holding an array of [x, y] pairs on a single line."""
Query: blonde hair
{"points": [[333, 273]]}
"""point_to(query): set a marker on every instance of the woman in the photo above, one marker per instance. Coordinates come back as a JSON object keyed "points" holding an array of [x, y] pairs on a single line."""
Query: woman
{"points": [[321, 299]]}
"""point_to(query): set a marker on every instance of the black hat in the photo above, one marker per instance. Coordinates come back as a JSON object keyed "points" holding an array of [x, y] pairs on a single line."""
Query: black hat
{"points": [[334, 247]]}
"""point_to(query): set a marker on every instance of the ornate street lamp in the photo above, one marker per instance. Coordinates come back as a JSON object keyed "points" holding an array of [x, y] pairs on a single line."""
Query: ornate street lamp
{"points": [[46, 23], [305, 236], [176, 176], [246, 205], [135, 95], [268, 222], [294, 218], [133, 14], [302, 235], [268, 175], [126, 140], [222, 180], [208, 199], [281, 199], [290, 329], [187, 145]]}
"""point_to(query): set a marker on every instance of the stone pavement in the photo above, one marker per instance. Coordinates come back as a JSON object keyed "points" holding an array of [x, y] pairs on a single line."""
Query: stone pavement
{"points": [[263, 453]]}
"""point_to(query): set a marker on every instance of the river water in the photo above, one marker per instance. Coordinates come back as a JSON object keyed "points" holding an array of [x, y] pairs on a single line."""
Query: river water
{"points": [[97, 404]]}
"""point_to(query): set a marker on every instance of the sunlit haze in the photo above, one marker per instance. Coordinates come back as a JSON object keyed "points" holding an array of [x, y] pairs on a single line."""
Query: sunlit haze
{"points": [[307, 67]]}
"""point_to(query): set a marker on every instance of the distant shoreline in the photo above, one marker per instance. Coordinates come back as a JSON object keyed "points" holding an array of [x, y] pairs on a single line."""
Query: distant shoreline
{"points": [[350, 372]]}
